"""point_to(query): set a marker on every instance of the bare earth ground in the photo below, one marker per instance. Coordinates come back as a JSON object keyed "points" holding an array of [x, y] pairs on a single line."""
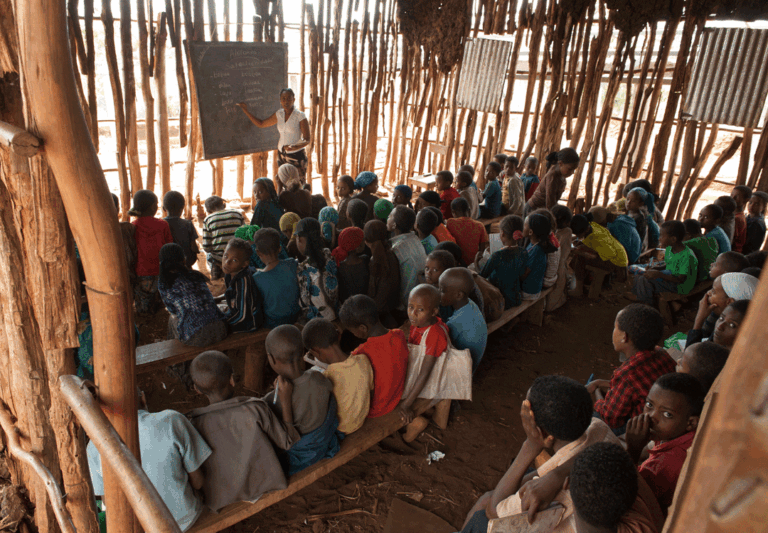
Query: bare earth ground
{"points": [[481, 440]]}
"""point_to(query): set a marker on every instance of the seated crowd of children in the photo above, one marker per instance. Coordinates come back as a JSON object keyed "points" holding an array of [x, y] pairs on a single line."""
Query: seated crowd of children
{"points": [[338, 285]]}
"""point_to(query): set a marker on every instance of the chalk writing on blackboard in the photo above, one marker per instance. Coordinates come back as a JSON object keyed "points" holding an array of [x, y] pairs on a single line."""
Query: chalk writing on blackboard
{"points": [[231, 72]]}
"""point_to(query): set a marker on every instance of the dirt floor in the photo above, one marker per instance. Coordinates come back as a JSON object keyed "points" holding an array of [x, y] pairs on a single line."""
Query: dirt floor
{"points": [[481, 441]]}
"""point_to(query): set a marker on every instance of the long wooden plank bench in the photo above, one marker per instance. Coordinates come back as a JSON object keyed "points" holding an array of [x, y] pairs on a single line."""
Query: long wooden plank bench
{"points": [[159, 355], [535, 315], [373, 431]]}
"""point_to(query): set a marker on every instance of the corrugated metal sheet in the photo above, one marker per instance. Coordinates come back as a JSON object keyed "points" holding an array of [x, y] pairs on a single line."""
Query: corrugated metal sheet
{"points": [[730, 79], [483, 74]]}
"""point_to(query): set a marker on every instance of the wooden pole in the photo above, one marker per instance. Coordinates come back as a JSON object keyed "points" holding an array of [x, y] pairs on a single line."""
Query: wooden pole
{"points": [[241, 158], [180, 77], [725, 156], [129, 91], [58, 120], [90, 52], [194, 31], [163, 132], [146, 91]]}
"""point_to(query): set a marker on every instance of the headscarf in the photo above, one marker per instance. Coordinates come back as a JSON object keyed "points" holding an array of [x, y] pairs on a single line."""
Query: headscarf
{"points": [[599, 215], [288, 222], [738, 285], [350, 239], [247, 232], [289, 176], [364, 179], [382, 208], [328, 214], [647, 199], [326, 230], [270, 187]]}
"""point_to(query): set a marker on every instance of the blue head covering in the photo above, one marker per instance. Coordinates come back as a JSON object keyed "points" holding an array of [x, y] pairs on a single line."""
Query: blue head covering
{"points": [[326, 229], [328, 214], [364, 179], [648, 199]]}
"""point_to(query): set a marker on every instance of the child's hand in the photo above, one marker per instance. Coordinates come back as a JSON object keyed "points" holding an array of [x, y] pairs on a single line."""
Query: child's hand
{"points": [[532, 431], [638, 434], [598, 384], [406, 415], [538, 493], [284, 390]]}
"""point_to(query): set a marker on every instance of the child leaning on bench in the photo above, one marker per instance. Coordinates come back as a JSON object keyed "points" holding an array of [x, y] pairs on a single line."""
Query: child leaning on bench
{"points": [[218, 228], [312, 403], [244, 308]]}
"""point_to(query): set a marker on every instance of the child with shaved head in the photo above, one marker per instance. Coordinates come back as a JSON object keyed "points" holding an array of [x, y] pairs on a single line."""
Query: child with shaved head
{"points": [[312, 404], [466, 326], [241, 432]]}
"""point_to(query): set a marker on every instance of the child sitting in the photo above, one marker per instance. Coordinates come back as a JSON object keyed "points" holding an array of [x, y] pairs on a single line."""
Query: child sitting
{"points": [[704, 361], [512, 188], [726, 289], [623, 228], [756, 207], [530, 177], [426, 222], [368, 184], [183, 231], [241, 431], [469, 193], [384, 271], [277, 282], [288, 239], [710, 218], [536, 229], [353, 269], [505, 266], [387, 351], [556, 414], [606, 495], [639, 205], [401, 195], [728, 220], [470, 234], [408, 249], [681, 267], [444, 185], [345, 186], [218, 228], [564, 235], [491, 206], [704, 248], [728, 262], [328, 218], [357, 212], [312, 404], [741, 195], [172, 454], [440, 233], [195, 320], [637, 331], [267, 212], [428, 199], [729, 322], [553, 257], [466, 325], [382, 208], [150, 235], [318, 281], [598, 248], [244, 311], [670, 418], [293, 197], [351, 375], [438, 262]]}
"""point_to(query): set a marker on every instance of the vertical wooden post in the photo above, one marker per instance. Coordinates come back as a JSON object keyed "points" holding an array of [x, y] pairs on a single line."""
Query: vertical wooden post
{"points": [[129, 91], [163, 132], [146, 91], [56, 118]]}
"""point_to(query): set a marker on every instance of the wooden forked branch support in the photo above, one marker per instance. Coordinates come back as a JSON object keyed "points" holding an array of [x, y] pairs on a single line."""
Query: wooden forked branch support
{"points": [[31, 460], [18, 141], [138, 489]]}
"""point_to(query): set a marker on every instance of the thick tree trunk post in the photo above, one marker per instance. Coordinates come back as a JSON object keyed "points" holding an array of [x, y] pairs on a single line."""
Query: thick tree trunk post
{"points": [[196, 29], [163, 132], [240, 158], [129, 92], [49, 85], [180, 78], [146, 90]]}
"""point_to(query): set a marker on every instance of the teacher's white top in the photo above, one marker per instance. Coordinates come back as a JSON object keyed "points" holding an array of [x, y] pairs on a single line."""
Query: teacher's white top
{"points": [[290, 130]]}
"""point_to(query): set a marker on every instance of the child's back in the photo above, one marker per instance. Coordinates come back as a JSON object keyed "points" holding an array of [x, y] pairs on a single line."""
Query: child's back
{"points": [[218, 228], [311, 394], [279, 289], [151, 234], [352, 385], [185, 235], [503, 269]]}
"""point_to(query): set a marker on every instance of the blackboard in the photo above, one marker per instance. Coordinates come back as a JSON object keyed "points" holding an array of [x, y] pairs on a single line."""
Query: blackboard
{"points": [[228, 73]]}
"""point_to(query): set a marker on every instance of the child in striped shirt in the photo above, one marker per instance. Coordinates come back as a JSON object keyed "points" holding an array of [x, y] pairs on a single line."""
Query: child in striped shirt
{"points": [[218, 228]]}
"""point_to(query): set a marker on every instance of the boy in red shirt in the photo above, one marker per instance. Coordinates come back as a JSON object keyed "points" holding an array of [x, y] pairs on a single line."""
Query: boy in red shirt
{"points": [[637, 331], [386, 349], [670, 419], [151, 234], [444, 185]]}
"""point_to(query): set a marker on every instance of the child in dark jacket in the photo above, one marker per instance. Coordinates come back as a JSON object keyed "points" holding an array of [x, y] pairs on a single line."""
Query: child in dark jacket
{"points": [[244, 309], [183, 231]]}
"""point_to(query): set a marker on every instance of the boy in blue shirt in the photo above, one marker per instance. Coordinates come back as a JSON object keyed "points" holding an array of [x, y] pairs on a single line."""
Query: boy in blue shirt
{"points": [[491, 207], [277, 282], [466, 326]]}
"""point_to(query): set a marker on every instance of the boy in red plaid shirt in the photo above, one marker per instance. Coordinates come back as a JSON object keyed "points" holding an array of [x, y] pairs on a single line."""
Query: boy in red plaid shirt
{"points": [[637, 331]]}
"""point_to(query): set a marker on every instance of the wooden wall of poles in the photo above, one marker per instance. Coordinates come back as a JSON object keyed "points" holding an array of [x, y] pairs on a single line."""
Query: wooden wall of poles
{"points": [[375, 100]]}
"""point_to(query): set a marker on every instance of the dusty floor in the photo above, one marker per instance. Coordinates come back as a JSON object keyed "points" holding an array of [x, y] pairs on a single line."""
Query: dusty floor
{"points": [[480, 442]]}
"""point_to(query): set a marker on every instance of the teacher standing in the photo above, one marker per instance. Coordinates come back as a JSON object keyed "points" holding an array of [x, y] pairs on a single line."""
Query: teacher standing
{"points": [[293, 127]]}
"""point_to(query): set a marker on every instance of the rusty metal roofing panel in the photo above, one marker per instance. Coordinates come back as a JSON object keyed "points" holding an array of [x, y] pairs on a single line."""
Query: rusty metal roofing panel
{"points": [[483, 74], [729, 83]]}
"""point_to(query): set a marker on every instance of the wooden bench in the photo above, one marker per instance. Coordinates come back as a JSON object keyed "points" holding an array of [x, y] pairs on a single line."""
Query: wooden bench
{"points": [[373, 431], [535, 310], [668, 299], [159, 355]]}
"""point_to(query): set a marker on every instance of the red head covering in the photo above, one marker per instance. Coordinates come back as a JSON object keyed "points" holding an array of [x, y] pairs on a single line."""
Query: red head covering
{"points": [[349, 239]]}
